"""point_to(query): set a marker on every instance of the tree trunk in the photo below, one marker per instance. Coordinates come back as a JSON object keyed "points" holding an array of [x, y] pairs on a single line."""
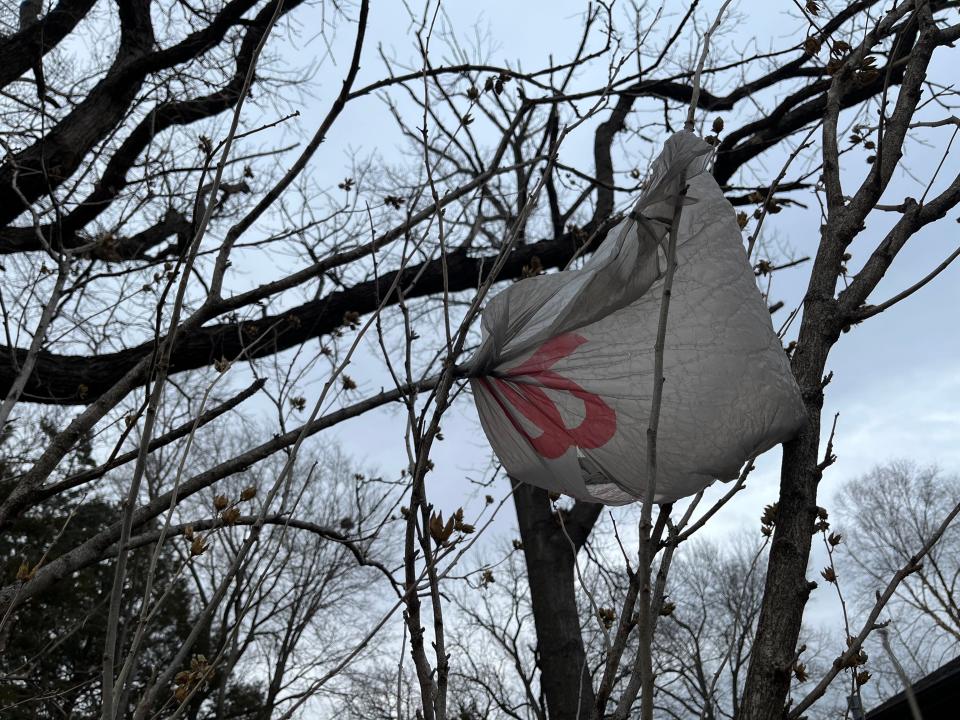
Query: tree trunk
{"points": [[564, 678], [786, 589]]}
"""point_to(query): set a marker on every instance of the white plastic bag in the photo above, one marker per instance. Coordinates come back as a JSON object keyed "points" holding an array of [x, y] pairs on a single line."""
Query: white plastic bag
{"points": [[563, 379]]}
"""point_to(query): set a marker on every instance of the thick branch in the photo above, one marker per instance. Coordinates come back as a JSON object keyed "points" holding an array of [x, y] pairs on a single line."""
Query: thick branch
{"points": [[18, 52], [45, 165], [76, 379]]}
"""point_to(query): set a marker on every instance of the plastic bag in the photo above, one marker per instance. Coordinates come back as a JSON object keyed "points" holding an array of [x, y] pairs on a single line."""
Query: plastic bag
{"points": [[563, 379]]}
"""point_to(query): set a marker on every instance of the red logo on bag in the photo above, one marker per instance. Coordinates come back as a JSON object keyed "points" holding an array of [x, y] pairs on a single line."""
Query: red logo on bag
{"points": [[599, 422]]}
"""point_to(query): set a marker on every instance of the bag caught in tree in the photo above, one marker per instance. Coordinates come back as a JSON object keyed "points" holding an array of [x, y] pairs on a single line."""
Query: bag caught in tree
{"points": [[563, 379]]}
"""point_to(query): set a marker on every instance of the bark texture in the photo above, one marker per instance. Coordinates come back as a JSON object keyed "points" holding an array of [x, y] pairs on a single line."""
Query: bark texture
{"points": [[549, 552]]}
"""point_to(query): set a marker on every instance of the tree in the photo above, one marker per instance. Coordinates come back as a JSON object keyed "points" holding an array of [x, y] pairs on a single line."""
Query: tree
{"points": [[51, 651], [247, 662], [143, 182], [715, 596], [904, 503]]}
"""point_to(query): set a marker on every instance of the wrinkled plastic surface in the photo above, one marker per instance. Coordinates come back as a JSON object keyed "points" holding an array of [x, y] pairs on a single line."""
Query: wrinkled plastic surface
{"points": [[563, 380]]}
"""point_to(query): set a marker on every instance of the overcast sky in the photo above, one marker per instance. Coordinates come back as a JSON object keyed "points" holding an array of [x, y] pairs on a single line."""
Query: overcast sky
{"points": [[896, 381]]}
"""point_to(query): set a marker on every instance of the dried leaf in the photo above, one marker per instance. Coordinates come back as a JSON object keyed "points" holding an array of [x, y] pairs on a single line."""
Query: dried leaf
{"points": [[812, 45], [24, 572], [230, 516], [800, 672], [198, 546], [769, 517]]}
